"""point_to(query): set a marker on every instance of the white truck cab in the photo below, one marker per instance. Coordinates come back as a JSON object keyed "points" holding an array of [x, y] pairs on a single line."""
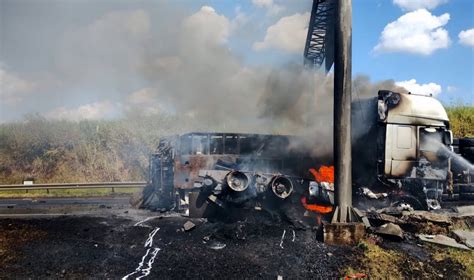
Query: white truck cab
{"points": [[417, 140]]}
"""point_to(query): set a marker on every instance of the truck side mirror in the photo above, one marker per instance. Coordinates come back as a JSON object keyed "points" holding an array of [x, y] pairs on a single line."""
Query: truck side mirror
{"points": [[448, 137]]}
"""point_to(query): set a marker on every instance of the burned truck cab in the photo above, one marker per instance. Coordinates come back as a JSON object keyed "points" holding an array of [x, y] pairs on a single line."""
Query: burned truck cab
{"points": [[414, 144]]}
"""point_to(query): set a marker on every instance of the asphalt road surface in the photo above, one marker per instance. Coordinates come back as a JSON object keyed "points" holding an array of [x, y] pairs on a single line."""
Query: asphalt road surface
{"points": [[103, 238], [60, 206]]}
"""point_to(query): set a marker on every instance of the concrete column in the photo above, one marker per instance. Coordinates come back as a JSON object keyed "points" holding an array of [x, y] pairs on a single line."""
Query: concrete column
{"points": [[342, 111]]}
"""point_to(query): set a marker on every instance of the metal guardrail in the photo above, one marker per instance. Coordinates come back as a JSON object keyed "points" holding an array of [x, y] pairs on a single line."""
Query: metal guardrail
{"points": [[63, 186]]}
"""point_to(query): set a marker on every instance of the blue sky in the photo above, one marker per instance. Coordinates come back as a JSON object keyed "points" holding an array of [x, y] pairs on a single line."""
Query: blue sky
{"points": [[100, 58], [452, 66]]}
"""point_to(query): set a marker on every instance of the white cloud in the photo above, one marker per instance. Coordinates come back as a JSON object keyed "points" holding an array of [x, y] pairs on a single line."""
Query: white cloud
{"points": [[262, 3], [239, 20], [92, 111], [206, 27], [13, 88], [270, 5], [425, 89], [411, 5], [417, 32], [466, 37], [451, 89], [288, 34]]}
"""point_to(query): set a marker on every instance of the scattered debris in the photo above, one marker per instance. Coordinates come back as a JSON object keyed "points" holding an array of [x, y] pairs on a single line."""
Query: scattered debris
{"points": [[370, 194], [395, 211], [442, 240], [189, 226], [464, 211], [424, 216], [362, 216], [383, 218], [464, 236], [390, 230], [216, 245]]}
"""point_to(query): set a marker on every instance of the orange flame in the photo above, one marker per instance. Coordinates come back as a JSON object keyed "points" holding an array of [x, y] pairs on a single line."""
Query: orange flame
{"points": [[315, 207], [325, 174]]}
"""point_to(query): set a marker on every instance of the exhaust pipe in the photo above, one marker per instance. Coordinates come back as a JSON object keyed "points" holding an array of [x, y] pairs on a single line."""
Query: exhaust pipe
{"points": [[237, 181], [281, 186]]}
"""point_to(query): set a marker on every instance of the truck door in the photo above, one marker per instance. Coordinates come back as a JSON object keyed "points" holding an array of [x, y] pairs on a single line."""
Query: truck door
{"points": [[400, 150]]}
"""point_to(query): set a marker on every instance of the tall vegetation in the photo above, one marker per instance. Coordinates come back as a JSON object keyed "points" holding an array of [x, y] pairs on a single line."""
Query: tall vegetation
{"points": [[462, 120], [64, 151], [111, 150]]}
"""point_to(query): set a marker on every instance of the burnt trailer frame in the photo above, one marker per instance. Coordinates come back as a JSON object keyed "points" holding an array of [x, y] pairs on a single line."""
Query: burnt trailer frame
{"points": [[180, 159]]}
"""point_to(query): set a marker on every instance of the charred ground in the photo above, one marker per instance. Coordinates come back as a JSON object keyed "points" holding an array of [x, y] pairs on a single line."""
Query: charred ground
{"points": [[112, 246]]}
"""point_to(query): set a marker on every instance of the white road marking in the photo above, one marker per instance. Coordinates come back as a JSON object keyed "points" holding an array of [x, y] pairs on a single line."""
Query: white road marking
{"points": [[140, 224], [145, 265], [140, 271], [149, 241], [294, 236], [282, 238]]}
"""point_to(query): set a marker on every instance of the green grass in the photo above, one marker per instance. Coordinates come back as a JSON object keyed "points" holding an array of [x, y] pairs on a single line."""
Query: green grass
{"points": [[464, 257], [377, 262], [69, 192], [461, 118]]}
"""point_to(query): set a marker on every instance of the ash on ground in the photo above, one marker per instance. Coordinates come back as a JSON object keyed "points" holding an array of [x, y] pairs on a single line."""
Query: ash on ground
{"points": [[172, 246]]}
